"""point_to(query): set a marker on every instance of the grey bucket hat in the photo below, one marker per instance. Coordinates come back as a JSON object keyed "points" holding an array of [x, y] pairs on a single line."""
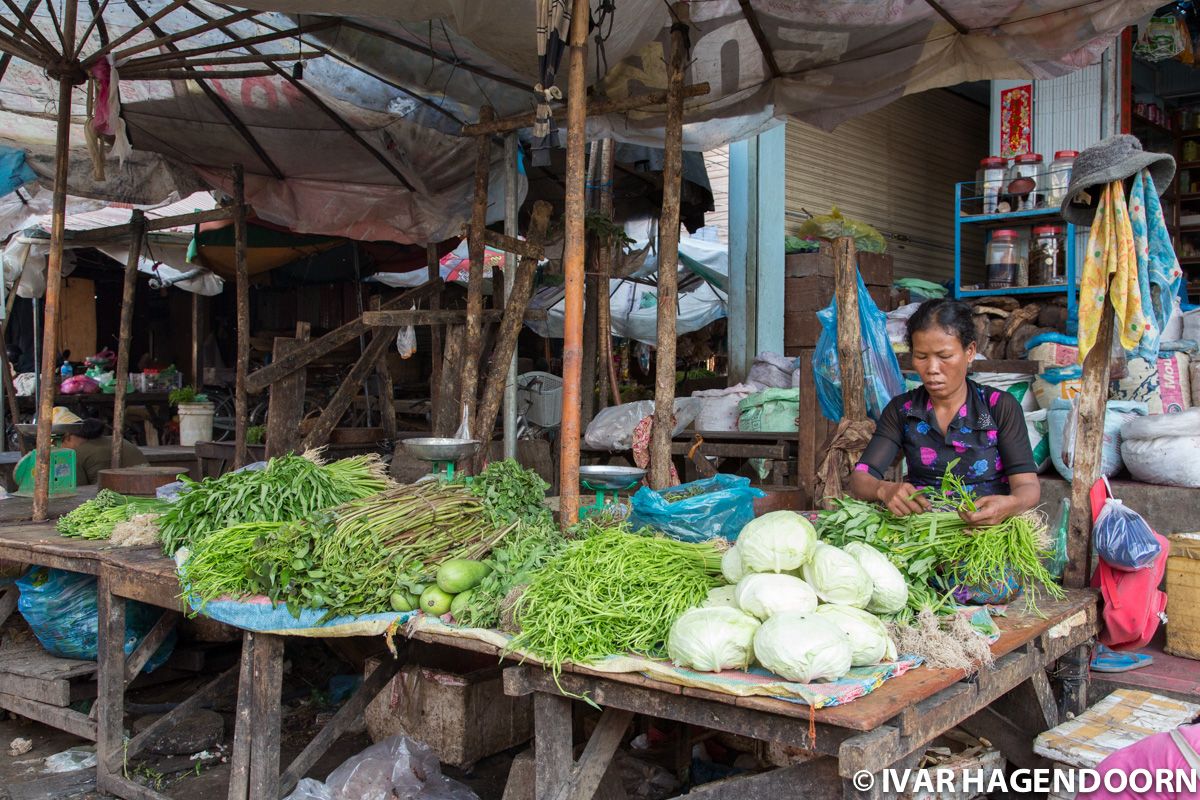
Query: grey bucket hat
{"points": [[1113, 159]]}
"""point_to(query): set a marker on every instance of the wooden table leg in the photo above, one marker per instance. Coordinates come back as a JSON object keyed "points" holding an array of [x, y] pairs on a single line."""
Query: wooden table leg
{"points": [[239, 762], [110, 684], [1073, 674], [8, 602], [552, 744], [265, 717]]}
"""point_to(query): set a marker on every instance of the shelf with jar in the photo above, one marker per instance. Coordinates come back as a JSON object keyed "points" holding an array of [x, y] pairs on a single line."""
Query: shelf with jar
{"points": [[1027, 247]]}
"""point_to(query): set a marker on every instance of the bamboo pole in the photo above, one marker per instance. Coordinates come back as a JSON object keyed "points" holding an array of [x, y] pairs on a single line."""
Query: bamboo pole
{"points": [[477, 250], [1089, 444], [58, 225], [138, 223], [240, 410], [607, 253], [435, 347], [573, 259], [849, 337], [668, 261]]}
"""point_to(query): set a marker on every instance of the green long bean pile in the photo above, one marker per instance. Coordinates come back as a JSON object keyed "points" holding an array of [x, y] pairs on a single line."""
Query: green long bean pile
{"points": [[289, 488], [612, 592], [96, 518]]}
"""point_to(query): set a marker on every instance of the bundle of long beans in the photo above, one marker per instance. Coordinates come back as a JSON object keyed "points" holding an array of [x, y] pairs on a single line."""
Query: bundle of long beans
{"points": [[96, 518], [289, 488], [612, 592]]}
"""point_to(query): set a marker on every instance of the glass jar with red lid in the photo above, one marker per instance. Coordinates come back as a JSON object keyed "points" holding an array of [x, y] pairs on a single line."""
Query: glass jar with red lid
{"points": [[1023, 179], [1002, 259]]}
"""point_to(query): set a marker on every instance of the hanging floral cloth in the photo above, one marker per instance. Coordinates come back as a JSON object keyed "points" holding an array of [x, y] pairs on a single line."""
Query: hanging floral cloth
{"points": [[1159, 274]]}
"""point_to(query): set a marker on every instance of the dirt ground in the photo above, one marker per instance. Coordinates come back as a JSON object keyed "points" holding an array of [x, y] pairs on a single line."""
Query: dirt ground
{"points": [[307, 705]]}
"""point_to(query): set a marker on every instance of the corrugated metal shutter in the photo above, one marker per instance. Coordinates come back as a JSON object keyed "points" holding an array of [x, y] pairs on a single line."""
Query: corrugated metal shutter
{"points": [[716, 163], [894, 168]]}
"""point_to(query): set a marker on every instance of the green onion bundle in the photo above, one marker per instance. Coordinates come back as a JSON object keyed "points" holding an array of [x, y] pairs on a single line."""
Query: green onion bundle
{"points": [[96, 518], [612, 592], [289, 488]]}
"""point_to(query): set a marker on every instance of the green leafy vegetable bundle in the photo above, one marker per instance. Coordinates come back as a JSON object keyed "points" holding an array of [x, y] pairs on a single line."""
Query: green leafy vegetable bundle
{"points": [[513, 564], [289, 488], [96, 518], [612, 592]]}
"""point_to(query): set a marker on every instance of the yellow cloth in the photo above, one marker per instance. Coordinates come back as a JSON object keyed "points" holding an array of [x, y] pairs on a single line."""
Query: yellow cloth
{"points": [[63, 416], [1110, 269]]}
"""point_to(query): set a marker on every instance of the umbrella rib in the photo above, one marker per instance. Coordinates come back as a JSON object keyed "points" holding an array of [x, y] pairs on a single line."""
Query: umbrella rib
{"points": [[220, 104], [97, 20], [235, 42], [760, 36], [148, 21], [944, 14], [320, 104], [178, 36], [23, 21], [398, 87], [26, 28], [66, 50], [20, 50]]}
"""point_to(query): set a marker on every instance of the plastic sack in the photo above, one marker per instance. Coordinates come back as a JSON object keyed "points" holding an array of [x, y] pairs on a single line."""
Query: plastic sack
{"points": [[406, 340], [882, 379], [1017, 384], [398, 768], [1062, 435], [719, 407], [771, 371], [1123, 539], [775, 410], [833, 226], [723, 506], [1057, 384], [612, 428], [60, 608], [1162, 449], [1037, 425], [1160, 39], [79, 384]]}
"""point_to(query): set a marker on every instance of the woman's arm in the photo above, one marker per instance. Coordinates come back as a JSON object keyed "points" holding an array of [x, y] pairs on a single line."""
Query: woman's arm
{"points": [[1026, 493], [900, 498], [866, 481]]}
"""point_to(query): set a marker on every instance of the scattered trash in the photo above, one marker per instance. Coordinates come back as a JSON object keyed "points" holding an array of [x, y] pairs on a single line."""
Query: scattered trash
{"points": [[396, 767], [19, 746], [70, 760]]}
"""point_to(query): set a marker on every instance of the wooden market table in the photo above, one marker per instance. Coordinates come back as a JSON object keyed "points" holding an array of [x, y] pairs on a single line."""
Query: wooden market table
{"points": [[1008, 704], [703, 453]]}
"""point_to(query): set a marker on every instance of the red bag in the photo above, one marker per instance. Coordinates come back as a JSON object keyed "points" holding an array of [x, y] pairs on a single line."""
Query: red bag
{"points": [[1132, 600]]}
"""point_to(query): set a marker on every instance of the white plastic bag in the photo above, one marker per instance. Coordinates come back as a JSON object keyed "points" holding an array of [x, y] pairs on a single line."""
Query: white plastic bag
{"points": [[612, 428], [772, 371], [406, 340], [719, 407], [1162, 449], [394, 768]]}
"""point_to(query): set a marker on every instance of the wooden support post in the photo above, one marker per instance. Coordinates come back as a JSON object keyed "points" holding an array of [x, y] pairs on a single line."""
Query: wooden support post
{"points": [[447, 414], [240, 404], [668, 262], [506, 340], [1091, 403], [265, 718], [387, 402], [591, 300], [552, 743], [285, 407], [199, 332], [436, 334], [349, 387], [475, 245], [110, 681], [138, 224], [603, 276], [849, 341], [573, 260], [58, 224], [239, 758]]}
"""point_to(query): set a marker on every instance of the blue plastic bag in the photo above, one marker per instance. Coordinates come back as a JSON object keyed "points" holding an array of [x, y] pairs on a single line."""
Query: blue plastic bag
{"points": [[882, 378], [61, 609], [724, 508], [1123, 539]]}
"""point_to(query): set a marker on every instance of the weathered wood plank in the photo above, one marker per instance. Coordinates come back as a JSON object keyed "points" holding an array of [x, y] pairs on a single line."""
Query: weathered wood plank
{"points": [[387, 399], [242, 366], [150, 643], [110, 681], [350, 386], [447, 413], [813, 780], [239, 759], [552, 744], [125, 329], [53, 787], [597, 755], [475, 246], [52, 692], [169, 720], [265, 718], [64, 719], [445, 316], [120, 786], [849, 338], [285, 408], [525, 248]]}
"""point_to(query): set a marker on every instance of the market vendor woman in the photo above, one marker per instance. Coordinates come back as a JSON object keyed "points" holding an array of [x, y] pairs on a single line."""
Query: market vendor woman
{"points": [[949, 418]]}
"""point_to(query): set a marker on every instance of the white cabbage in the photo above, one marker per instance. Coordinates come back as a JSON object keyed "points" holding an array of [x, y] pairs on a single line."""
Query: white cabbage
{"points": [[802, 648], [766, 594], [837, 578], [731, 565], [869, 640], [776, 542], [721, 596], [890, 594], [712, 639]]}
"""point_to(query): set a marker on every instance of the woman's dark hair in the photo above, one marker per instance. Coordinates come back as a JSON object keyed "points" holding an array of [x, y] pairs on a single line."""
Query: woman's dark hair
{"points": [[953, 316], [91, 429]]}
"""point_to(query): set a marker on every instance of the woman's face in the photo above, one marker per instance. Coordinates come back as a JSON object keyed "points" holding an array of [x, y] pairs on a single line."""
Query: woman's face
{"points": [[941, 360]]}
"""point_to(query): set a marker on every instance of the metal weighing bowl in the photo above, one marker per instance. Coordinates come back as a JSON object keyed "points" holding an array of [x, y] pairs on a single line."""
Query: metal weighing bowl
{"points": [[30, 428], [598, 477], [439, 449]]}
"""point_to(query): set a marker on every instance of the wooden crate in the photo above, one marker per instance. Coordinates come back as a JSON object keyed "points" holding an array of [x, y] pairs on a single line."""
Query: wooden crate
{"points": [[876, 268], [454, 702], [1183, 596]]}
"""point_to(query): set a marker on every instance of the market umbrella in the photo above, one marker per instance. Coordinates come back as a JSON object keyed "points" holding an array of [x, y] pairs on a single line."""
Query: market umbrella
{"points": [[267, 247]]}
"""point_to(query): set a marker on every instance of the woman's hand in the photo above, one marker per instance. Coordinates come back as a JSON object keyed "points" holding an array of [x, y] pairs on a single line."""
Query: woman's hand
{"points": [[991, 510], [901, 498]]}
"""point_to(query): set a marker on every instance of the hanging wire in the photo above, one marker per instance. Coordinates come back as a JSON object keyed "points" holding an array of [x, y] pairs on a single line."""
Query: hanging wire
{"points": [[605, 12]]}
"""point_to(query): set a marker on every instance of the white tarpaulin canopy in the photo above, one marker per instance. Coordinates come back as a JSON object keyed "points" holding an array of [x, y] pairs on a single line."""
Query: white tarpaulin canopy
{"points": [[364, 143]]}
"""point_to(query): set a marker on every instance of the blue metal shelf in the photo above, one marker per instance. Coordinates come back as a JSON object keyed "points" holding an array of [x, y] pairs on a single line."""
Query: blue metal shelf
{"points": [[1018, 219]]}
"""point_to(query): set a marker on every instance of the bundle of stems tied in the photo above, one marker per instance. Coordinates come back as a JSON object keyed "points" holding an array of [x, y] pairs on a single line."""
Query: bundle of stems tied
{"points": [[289, 488], [97, 518], [350, 559], [939, 547]]}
